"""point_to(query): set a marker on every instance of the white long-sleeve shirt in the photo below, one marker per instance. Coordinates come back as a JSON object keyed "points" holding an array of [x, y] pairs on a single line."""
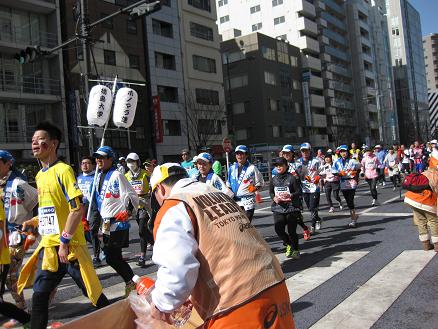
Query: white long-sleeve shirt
{"points": [[174, 252]]}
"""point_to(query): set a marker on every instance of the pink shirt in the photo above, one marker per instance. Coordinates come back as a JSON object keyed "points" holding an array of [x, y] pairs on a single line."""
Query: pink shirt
{"points": [[370, 163]]}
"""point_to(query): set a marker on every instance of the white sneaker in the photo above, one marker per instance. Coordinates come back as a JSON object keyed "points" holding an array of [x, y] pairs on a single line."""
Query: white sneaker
{"points": [[383, 184], [340, 206], [374, 203], [332, 209], [318, 226], [393, 188]]}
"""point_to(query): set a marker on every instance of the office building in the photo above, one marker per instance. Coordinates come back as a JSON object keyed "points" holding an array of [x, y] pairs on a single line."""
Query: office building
{"points": [[262, 78], [32, 92], [409, 71], [430, 47]]}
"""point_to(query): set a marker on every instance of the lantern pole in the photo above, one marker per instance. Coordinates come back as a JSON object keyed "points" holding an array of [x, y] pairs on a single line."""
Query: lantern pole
{"points": [[102, 143]]}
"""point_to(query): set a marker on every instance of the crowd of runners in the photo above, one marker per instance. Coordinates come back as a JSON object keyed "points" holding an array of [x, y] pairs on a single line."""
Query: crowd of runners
{"points": [[195, 204]]}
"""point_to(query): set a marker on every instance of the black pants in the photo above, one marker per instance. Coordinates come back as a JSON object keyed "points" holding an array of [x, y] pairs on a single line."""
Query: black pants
{"points": [[249, 213], [289, 220], [113, 245], [329, 187], [372, 182], [381, 177], [395, 179], [312, 203], [146, 236], [9, 310], [46, 282], [95, 224], [349, 197]]}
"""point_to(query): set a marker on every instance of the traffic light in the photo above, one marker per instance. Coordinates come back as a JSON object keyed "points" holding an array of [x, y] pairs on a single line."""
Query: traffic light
{"points": [[29, 55], [146, 9]]}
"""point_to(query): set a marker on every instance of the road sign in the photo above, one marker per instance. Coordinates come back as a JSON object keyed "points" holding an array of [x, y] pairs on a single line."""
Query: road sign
{"points": [[226, 144]]}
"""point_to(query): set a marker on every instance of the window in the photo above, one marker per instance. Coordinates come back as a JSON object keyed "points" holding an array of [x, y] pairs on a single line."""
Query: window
{"points": [[240, 108], [172, 128], [274, 105], [268, 53], [270, 78], [254, 9], [201, 4], [162, 28], [293, 61], [256, 27], [109, 57], [165, 61], [237, 81], [108, 24], [204, 64], [298, 108], [222, 3], [201, 31], [134, 62], [209, 127], [168, 94], [224, 19], [241, 134], [207, 96], [276, 131], [276, 2], [131, 25], [279, 20], [296, 84], [300, 132], [283, 52]]}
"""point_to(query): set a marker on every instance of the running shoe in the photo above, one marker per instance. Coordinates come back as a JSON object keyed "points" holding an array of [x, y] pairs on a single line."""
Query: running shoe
{"points": [[332, 209], [141, 261], [288, 251], [306, 234], [295, 254], [374, 203], [318, 225], [312, 229], [352, 224], [340, 206], [96, 261]]}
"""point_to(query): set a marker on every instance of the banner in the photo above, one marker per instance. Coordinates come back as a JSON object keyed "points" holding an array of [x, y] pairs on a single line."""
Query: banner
{"points": [[158, 123]]}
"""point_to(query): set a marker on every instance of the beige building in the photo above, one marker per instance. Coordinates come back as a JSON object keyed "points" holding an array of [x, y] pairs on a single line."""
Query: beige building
{"points": [[430, 46], [202, 71]]}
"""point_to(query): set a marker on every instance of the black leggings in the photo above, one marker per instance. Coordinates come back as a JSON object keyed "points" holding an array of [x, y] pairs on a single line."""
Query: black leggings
{"points": [[113, 257], [372, 182], [312, 203], [248, 213], [146, 236], [329, 187], [349, 197], [9, 310], [289, 220]]}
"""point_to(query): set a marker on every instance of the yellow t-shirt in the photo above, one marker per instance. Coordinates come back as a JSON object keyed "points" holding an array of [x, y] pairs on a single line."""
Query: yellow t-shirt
{"points": [[140, 184], [56, 187], [4, 248]]}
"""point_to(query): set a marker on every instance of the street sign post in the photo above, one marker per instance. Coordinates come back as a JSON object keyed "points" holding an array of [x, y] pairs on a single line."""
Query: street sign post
{"points": [[226, 145]]}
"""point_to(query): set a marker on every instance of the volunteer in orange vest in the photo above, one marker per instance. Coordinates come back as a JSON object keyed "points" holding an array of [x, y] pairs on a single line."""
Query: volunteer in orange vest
{"points": [[424, 207], [206, 248]]}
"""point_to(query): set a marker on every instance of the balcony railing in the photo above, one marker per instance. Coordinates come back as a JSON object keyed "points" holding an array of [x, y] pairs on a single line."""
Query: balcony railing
{"points": [[27, 37], [29, 84]]}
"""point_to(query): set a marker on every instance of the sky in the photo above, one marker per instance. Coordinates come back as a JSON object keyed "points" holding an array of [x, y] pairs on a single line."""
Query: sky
{"points": [[428, 10]]}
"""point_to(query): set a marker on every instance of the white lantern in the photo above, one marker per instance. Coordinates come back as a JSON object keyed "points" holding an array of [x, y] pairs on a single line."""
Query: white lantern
{"points": [[99, 105], [124, 107]]}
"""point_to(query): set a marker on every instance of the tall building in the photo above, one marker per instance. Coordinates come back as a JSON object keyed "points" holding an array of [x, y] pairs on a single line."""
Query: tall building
{"points": [[203, 79], [433, 113], [186, 73], [372, 71], [300, 28], [409, 70], [31, 92], [117, 47], [262, 81], [430, 47]]}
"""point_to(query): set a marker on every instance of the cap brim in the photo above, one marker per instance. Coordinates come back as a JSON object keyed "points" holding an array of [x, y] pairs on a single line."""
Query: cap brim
{"points": [[100, 153]]}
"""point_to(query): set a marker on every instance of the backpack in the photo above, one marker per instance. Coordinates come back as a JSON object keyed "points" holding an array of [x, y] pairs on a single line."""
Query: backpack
{"points": [[416, 182]]}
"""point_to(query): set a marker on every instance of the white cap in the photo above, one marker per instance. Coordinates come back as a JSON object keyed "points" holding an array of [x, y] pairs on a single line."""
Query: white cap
{"points": [[133, 156], [433, 141]]}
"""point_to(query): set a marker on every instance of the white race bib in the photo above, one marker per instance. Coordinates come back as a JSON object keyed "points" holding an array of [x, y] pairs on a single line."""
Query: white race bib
{"points": [[47, 221], [282, 193], [248, 203]]}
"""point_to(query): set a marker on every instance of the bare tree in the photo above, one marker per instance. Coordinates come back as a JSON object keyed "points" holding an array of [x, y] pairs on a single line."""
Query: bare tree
{"points": [[206, 118]]}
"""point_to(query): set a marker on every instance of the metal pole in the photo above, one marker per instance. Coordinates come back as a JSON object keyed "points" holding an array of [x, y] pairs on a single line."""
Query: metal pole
{"points": [[379, 117], [230, 100]]}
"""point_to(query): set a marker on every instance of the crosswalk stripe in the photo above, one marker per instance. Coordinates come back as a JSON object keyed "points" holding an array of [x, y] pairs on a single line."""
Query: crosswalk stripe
{"points": [[377, 294], [305, 281]]}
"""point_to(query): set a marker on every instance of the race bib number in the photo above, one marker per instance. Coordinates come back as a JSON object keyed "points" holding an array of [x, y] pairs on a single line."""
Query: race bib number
{"points": [[369, 165], [248, 203], [47, 221], [348, 184], [138, 186], [282, 193]]}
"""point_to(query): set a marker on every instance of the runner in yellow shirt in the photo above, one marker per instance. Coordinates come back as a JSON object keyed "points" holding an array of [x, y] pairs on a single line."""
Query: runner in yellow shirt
{"points": [[62, 248]]}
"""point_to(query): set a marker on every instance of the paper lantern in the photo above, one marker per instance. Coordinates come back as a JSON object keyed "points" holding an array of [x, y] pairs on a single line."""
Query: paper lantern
{"points": [[99, 105], [124, 107]]}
